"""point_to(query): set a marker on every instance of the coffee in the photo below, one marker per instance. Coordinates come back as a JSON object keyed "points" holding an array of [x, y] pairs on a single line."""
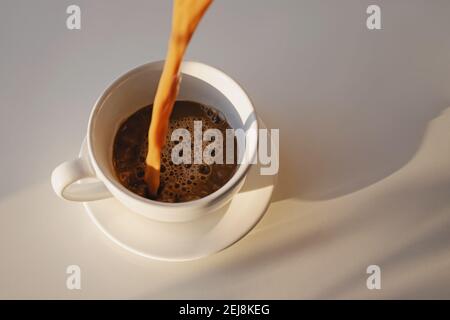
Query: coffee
{"points": [[178, 182]]}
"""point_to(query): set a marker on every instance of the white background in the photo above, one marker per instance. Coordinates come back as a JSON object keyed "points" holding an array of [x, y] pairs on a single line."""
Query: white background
{"points": [[365, 146]]}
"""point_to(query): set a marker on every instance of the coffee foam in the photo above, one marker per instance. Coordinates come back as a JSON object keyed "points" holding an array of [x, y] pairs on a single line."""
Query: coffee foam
{"points": [[178, 182]]}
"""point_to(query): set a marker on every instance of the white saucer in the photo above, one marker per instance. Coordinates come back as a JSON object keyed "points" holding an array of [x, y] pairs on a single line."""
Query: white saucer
{"points": [[188, 240]]}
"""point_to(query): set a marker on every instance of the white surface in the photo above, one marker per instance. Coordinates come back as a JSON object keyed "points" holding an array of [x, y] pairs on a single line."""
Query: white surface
{"points": [[365, 159]]}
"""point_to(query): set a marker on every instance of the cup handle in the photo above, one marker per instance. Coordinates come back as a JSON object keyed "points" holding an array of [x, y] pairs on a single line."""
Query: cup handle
{"points": [[65, 176]]}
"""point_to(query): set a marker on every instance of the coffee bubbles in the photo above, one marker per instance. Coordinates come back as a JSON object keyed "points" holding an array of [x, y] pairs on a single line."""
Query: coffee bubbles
{"points": [[181, 181]]}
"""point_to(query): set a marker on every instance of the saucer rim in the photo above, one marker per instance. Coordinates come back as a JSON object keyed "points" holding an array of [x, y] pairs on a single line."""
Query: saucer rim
{"points": [[182, 258]]}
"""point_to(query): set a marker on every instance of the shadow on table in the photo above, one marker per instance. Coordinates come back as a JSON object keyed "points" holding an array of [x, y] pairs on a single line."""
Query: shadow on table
{"points": [[293, 229], [291, 237], [325, 156]]}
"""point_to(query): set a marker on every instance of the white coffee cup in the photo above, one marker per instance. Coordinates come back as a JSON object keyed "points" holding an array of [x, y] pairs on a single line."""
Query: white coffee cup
{"points": [[132, 91]]}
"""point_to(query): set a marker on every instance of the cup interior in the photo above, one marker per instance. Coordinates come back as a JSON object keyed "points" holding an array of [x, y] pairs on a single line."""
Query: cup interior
{"points": [[136, 89]]}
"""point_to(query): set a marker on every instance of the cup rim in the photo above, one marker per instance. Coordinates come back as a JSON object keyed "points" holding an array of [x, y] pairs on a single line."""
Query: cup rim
{"points": [[200, 71]]}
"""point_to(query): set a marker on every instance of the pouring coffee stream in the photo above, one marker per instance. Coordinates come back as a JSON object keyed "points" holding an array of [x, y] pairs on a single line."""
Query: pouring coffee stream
{"points": [[185, 18]]}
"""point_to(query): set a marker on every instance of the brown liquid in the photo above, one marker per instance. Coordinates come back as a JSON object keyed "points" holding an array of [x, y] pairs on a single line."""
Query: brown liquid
{"points": [[185, 18], [178, 182]]}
